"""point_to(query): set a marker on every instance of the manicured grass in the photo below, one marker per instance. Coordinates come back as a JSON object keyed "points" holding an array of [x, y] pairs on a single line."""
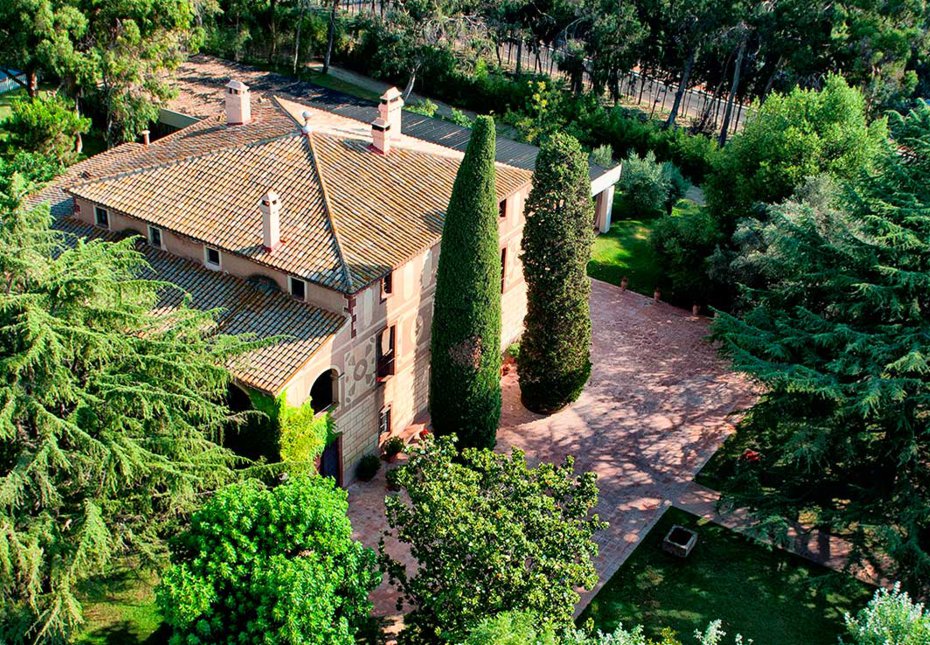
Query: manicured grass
{"points": [[771, 596], [121, 609], [625, 251]]}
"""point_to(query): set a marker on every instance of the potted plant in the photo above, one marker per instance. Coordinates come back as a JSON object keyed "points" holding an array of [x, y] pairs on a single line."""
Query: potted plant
{"points": [[367, 468], [393, 447]]}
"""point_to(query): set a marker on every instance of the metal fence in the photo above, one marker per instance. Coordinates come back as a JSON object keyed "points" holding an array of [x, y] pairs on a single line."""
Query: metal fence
{"points": [[7, 84], [651, 93]]}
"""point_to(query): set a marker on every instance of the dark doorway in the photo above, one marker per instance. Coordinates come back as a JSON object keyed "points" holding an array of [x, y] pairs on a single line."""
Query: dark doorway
{"points": [[323, 391], [331, 461], [252, 434]]}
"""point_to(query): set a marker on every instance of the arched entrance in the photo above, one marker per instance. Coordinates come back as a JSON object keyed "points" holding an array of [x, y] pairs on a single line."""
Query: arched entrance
{"points": [[324, 393]]}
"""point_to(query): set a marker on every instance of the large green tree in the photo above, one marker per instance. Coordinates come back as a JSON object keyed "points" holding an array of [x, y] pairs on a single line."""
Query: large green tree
{"points": [[464, 389], [839, 337], [113, 54], [790, 138], [108, 418], [272, 565], [489, 534], [554, 361], [46, 125]]}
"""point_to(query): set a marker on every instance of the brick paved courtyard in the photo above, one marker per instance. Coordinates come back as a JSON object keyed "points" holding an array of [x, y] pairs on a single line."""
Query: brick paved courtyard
{"points": [[658, 405]]}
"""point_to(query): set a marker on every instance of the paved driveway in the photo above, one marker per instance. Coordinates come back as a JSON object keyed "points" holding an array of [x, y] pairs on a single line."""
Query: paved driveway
{"points": [[658, 405]]}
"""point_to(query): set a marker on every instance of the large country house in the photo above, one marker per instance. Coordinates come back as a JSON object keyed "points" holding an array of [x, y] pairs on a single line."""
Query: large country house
{"points": [[300, 222]]}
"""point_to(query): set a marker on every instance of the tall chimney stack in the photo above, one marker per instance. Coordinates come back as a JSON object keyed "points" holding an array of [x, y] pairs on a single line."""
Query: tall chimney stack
{"points": [[391, 108], [270, 207], [238, 103]]}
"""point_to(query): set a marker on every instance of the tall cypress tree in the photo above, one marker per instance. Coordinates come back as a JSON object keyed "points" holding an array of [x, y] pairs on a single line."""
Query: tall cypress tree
{"points": [[554, 361], [464, 389]]}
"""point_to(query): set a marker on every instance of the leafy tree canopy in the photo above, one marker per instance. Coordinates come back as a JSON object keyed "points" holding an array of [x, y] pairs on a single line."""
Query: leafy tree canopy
{"points": [[108, 417], [839, 338], [272, 565], [489, 534], [47, 125], [790, 138]]}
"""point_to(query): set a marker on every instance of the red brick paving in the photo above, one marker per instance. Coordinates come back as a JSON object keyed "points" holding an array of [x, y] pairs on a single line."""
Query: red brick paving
{"points": [[659, 403]]}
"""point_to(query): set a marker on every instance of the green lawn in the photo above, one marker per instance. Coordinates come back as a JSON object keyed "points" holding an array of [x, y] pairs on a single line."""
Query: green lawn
{"points": [[121, 609], [626, 251], [771, 596]]}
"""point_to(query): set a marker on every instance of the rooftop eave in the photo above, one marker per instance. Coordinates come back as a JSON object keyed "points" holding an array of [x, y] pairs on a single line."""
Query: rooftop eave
{"points": [[604, 181]]}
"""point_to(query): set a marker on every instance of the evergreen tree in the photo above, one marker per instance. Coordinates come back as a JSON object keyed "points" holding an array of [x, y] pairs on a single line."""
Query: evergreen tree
{"points": [[464, 389], [840, 339], [554, 361], [108, 418]]}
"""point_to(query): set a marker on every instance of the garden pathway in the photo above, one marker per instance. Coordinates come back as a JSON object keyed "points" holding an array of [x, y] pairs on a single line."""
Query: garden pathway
{"points": [[659, 403]]}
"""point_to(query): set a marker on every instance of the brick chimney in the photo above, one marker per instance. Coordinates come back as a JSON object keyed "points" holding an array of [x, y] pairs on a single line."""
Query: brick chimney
{"points": [[381, 136], [238, 103], [270, 207], [391, 108]]}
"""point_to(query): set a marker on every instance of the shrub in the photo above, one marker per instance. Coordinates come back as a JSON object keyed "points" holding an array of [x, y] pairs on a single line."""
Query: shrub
{"points": [[368, 466], [460, 118], [394, 446], [482, 516], [603, 156], [678, 185], [424, 107], [644, 187], [683, 244], [890, 617], [511, 628], [465, 390], [269, 565], [554, 362]]}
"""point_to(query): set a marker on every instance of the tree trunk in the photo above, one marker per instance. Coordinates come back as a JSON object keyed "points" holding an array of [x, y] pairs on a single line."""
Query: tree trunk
{"points": [[300, 24], [682, 87], [330, 36], [408, 90], [519, 57], [733, 89], [274, 33]]}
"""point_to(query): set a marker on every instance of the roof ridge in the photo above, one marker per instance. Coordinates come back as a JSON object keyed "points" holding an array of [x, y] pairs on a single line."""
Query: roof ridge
{"points": [[347, 274], [173, 162]]}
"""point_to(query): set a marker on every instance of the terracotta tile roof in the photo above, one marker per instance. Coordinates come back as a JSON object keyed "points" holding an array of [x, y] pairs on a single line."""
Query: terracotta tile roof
{"points": [[243, 309], [348, 215]]}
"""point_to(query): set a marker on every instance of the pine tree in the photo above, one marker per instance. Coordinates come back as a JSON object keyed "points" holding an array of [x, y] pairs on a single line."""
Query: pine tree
{"points": [[465, 392], [554, 361], [840, 339], [108, 418]]}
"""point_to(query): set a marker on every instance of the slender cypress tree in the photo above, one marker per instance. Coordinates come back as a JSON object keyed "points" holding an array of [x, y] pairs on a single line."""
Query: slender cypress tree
{"points": [[554, 361], [464, 390]]}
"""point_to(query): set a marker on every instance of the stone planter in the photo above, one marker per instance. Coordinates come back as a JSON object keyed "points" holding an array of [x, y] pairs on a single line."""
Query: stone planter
{"points": [[679, 541]]}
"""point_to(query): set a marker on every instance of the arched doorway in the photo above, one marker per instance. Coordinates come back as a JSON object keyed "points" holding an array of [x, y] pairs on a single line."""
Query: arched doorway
{"points": [[324, 393], [251, 435]]}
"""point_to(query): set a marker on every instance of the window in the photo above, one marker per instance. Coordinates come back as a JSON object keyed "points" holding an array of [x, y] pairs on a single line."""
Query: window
{"points": [[211, 257], [385, 353], [101, 217], [298, 288], [502, 209], [384, 421], [155, 237], [387, 285], [503, 268]]}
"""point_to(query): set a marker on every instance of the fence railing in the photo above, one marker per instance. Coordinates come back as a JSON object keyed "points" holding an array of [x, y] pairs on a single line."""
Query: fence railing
{"points": [[7, 84], [636, 88]]}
